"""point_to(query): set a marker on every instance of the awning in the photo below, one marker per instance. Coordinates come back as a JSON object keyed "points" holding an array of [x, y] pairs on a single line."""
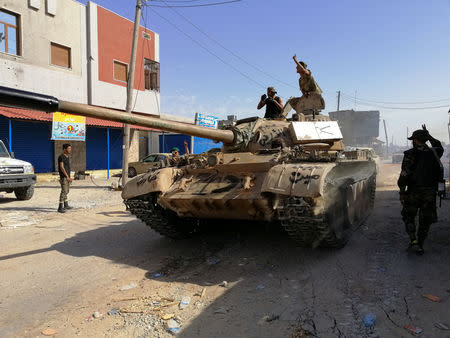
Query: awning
{"points": [[33, 115]]}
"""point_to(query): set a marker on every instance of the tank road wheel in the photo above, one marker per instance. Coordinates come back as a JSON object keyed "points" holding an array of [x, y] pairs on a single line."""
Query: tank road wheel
{"points": [[132, 172], [166, 222]]}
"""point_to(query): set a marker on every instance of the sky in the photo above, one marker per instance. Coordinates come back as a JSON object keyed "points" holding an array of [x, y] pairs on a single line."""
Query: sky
{"points": [[380, 55]]}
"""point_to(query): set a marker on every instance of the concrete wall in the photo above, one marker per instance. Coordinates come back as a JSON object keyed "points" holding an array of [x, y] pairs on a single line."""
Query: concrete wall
{"points": [[77, 158], [109, 39], [32, 69]]}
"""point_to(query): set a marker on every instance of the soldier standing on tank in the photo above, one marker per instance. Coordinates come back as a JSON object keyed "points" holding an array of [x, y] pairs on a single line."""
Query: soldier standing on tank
{"points": [[273, 103], [64, 177], [418, 183]]}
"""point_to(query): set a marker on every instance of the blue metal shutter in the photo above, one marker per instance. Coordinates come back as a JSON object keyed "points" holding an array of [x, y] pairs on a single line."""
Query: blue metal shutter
{"points": [[4, 131], [96, 148], [167, 142], [31, 142], [115, 148], [204, 144]]}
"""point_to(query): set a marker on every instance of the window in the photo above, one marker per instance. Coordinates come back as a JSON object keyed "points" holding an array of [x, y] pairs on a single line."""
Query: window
{"points": [[151, 158], [9, 33], [60, 55], [151, 69], [120, 71]]}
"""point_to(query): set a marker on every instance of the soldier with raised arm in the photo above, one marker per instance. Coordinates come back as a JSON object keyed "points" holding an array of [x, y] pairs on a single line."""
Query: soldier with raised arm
{"points": [[311, 101]]}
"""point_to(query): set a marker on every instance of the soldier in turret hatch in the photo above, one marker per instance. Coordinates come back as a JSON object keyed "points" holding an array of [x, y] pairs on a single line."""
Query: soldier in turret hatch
{"points": [[418, 183], [311, 101], [273, 103]]}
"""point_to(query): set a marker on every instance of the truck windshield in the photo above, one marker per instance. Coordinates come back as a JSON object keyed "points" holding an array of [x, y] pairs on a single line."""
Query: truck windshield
{"points": [[3, 151]]}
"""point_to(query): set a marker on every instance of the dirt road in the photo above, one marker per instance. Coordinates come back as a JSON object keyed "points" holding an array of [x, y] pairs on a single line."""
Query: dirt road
{"points": [[57, 273]]}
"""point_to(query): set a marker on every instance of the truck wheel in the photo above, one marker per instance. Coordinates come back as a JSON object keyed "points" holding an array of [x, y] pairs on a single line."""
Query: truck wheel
{"points": [[24, 193], [131, 172]]}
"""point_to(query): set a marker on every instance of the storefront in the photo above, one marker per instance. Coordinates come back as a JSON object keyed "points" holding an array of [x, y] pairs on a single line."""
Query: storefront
{"points": [[27, 134]]}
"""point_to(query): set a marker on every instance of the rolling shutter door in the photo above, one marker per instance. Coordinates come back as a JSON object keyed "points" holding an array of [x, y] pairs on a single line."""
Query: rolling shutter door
{"points": [[31, 142], [4, 131], [115, 148], [97, 147], [96, 155]]}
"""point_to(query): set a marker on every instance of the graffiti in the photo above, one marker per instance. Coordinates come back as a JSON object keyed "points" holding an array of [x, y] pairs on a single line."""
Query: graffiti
{"points": [[297, 177]]}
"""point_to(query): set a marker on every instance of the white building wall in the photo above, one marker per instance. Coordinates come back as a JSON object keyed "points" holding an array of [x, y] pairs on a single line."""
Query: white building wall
{"points": [[32, 70]]}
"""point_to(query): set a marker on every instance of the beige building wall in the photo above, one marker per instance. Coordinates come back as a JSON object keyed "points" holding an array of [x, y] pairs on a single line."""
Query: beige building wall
{"points": [[32, 70]]}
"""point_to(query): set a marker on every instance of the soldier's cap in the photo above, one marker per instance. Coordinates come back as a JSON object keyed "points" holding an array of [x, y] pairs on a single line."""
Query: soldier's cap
{"points": [[419, 134], [271, 89], [174, 149], [304, 65]]}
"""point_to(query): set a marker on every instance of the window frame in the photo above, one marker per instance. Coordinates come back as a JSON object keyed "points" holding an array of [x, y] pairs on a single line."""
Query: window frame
{"points": [[70, 55], [114, 71], [158, 72], [18, 31]]}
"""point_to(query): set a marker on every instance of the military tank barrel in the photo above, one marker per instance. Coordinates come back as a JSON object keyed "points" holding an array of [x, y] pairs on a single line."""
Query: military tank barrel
{"points": [[28, 100]]}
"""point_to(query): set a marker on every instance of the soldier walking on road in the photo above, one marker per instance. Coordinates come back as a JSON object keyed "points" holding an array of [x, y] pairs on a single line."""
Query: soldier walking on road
{"points": [[64, 177], [418, 183]]}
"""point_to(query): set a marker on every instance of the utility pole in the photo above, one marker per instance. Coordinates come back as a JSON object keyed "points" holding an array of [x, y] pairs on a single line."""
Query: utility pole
{"points": [[387, 141], [407, 135], [338, 99], [130, 83]]}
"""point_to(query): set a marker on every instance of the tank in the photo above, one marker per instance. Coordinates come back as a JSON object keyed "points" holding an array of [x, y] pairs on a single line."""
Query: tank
{"points": [[293, 173]]}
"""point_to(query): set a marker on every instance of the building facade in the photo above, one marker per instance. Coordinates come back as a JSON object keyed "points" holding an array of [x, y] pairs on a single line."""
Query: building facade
{"points": [[359, 128], [76, 53]]}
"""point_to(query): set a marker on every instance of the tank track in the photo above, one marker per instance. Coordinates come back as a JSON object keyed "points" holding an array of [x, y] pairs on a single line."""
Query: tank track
{"points": [[309, 230], [165, 222], [297, 219]]}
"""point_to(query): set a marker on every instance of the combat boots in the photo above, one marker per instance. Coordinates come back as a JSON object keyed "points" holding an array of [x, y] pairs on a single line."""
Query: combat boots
{"points": [[67, 206], [61, 208]]}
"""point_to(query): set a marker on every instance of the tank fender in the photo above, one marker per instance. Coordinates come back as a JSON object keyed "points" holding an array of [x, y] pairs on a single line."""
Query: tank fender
{"points": [[297, 179], [155, 181]]}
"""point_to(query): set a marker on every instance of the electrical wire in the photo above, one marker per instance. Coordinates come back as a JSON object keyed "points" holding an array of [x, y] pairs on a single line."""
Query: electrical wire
{"points": [[227, 49], [210, 52], [353, 101], [182, 1], [387, 102], [198, 5]]}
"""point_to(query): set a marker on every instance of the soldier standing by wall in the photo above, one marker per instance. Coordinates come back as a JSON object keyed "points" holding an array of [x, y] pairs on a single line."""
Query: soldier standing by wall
{"points": [[418, 183], [64, 177]]}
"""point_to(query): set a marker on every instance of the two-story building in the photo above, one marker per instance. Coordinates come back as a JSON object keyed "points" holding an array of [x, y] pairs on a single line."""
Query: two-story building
{"points": [[78, 53]]}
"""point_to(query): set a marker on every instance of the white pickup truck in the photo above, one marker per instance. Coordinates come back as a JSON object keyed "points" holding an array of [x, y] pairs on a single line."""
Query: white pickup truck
{"points": [[16, 175]]}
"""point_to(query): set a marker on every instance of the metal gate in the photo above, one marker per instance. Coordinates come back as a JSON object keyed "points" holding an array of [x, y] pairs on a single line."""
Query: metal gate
{"points": [[31, 142]]}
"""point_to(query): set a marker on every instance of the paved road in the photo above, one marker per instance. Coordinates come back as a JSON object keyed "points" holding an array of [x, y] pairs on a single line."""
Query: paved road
{"points": [[58, 272]]}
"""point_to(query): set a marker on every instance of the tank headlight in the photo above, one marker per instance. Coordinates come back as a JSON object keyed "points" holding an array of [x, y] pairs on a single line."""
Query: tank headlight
{"points": [[28, 169]]}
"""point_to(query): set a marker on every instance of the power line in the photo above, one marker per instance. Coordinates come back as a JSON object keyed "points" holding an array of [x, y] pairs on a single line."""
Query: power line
{"points": [[356, 101], [386, 102], [210, 52], [198, 5], [227, 49], [176, 1]]}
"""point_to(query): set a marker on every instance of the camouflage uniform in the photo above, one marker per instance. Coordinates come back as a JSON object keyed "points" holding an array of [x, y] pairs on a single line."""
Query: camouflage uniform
{"points": [[418, 183], [311, 100]]}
